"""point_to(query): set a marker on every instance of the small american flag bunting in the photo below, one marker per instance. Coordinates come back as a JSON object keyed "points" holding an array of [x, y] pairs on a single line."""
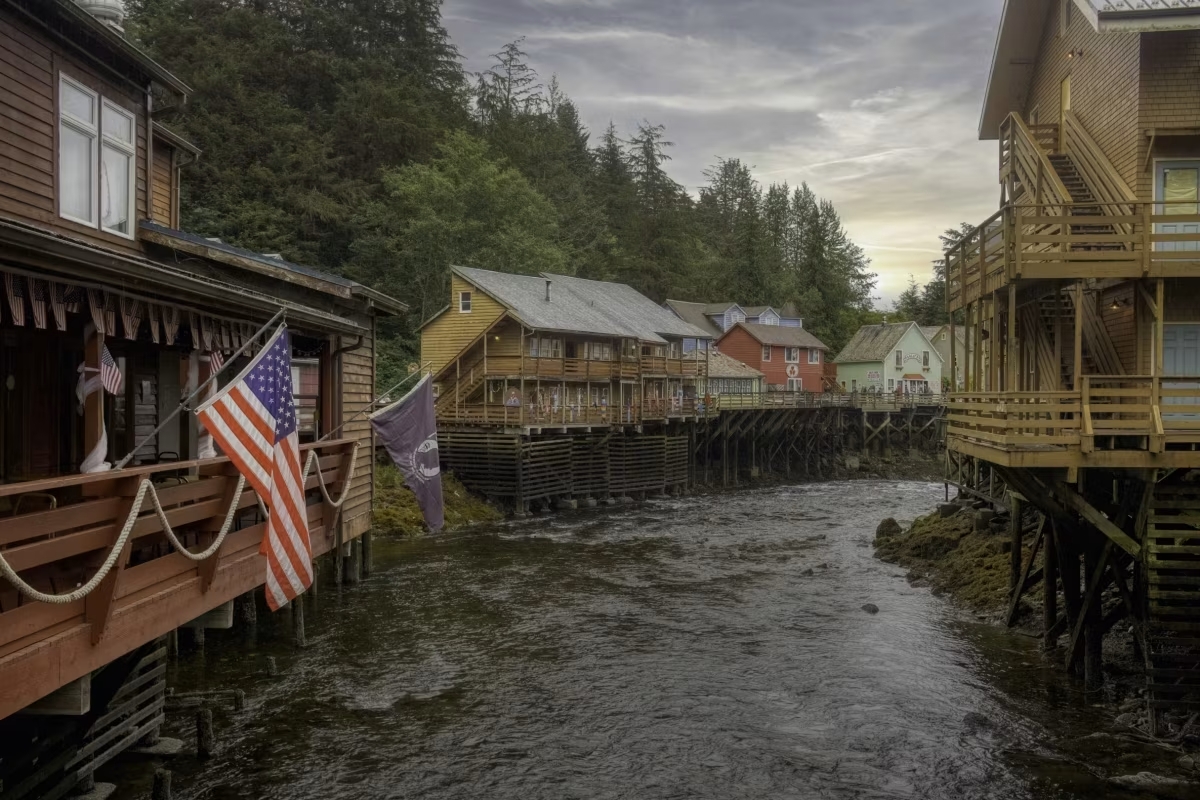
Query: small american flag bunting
{"points": [[254, 421], [110, 314], [152, 318], [38, 296], [131, 316], [14, 287], [58, 304], [170, 320], [96, 306]]}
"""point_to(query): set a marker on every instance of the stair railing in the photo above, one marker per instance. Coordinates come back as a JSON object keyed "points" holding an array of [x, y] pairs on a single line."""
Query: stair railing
{"points": [[1106, 184], [1028, 169]]}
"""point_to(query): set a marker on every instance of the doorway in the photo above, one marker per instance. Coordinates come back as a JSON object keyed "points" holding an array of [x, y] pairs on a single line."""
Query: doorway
{"points": [[1181, 356], [1177, 193]]}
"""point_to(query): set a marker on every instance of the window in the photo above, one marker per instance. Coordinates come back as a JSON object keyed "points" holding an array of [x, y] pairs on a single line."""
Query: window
{"points": [[943, 336], [766, 352], [791, 355], [545, 348], [598, 351], [1066, 16], [814, 356], [96, 156], [891, 384], [899, 358], [464, 303], [674, 351], [925, 358], [795, 385]]}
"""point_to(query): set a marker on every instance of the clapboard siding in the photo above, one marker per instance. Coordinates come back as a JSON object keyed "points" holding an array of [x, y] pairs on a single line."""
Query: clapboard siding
{"points": [[1104, 85], [30, 65], [358, 389], [1170, 99], [1121, 323], [446, 336], [162, 185]]}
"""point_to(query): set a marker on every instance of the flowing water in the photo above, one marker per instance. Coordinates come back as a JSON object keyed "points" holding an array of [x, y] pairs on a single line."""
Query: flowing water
{"points": [[704, 647]]}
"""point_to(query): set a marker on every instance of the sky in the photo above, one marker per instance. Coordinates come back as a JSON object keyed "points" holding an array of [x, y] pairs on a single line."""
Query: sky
{"points": [[875, 103]]}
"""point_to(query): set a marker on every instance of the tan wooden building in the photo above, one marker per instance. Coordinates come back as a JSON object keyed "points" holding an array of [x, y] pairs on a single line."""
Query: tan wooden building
{"points": [[521, 351], [97, 276], [1083, 292]]}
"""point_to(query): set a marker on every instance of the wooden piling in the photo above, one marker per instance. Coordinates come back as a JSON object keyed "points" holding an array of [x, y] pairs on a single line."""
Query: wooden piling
{"points": [[206, 742], [367, 553], [1016, 534], [162, 785], [1093, 630], [1050, 587], [297, 607], [353, 564], [247, 609]]}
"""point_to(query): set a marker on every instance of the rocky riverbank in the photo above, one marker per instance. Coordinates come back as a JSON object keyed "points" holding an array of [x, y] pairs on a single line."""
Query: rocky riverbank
{"points": [[965, 552], [396, 512]]}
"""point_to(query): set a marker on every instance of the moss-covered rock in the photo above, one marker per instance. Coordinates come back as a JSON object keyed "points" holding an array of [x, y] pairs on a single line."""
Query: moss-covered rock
{"points": [[952, 557], [396, 511]]}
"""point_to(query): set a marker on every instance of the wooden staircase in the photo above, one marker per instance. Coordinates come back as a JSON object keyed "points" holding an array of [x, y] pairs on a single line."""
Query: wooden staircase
{"points": [[471, 378], [1083, 195], [1172, 554]]}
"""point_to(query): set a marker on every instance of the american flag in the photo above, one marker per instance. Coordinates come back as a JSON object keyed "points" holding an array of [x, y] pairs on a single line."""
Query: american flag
{"points": [[14, 287], [131, 316], [96, 305], [253, 419], [58, 304], [110, 373], [216, 360], [37, 300]]}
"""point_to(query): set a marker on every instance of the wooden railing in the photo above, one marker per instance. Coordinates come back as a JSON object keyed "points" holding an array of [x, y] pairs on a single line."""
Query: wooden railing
{"points": [[1110, 412], [583, 369], [1072, 241], [1025, 168], [152, 589]]}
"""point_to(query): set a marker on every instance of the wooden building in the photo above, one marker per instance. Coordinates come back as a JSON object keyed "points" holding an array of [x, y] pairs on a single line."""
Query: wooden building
{"points": [[790, 358], [552, 350], [98, 278], [1082, 290], [895, 358], [717, 318]]}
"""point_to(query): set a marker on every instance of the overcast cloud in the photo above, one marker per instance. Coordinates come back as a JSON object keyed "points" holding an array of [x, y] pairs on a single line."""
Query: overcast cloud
{"points": [[874, 102]]}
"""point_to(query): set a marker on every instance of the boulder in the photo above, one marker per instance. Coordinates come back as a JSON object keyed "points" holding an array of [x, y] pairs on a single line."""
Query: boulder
{"points": [[888, 528], [871, 608], [948, 509], [983, 519]]}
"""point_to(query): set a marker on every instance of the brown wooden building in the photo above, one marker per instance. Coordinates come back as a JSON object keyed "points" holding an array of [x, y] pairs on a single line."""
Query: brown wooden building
{"points": [[1083, 291], [97, 276]]}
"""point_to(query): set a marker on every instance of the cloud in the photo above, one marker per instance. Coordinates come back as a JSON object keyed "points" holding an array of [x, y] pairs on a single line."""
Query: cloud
{"points": [[874, 103]]}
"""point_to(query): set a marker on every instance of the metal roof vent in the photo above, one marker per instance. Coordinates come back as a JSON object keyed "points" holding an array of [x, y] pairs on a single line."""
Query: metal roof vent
{"points": [[110, 12], [547, 290]]}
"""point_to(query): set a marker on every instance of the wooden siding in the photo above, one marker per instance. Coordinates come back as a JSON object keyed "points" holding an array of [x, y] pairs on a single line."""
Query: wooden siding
{"points": [[1170, 88], [1121, 324], [162, 185], [739, 344], [1104, 86], [445, 337], [358, 390], [30, 65]]}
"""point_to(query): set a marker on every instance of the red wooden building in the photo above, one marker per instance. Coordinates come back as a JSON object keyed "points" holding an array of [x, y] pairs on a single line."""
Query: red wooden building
{"points": [[792, 359]]}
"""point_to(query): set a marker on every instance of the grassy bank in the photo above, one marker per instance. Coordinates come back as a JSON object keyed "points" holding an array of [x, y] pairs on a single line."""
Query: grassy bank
{"points": [[396, 512], [951, 557]]}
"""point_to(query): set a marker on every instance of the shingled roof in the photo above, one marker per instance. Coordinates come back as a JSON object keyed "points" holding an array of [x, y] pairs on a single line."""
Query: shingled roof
{"points": [[577, 305], [873, 342], [723, 366], [695, 314], [780, 335]]}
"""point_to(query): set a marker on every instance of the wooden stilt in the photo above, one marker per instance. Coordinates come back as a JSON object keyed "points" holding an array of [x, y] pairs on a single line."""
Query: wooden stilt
{"points": [[1049, 587]]}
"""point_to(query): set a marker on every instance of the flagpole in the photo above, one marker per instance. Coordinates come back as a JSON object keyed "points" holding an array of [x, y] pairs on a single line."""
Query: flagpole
{"points": [[280, 315], [371, 403]]}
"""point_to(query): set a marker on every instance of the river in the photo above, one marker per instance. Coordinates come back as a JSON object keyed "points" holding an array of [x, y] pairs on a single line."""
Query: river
{"points": [[702, 647]]}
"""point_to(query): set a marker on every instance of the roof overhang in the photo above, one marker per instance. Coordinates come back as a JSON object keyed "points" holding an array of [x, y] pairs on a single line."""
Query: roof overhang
{"points": [[175, 140], [1142, 16], [1013, 58]]}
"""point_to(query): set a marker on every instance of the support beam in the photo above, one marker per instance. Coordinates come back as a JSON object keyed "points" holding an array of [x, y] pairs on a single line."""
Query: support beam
{"points": [[1093, 515], [1091, 601]]}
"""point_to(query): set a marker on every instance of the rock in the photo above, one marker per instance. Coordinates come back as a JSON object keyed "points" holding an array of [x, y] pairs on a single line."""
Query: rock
{"points": [[1127, 720], [974, 721], [1156, 785], [871, 608], [1191, 762], [983, 519], [949, 509], [888, 528], [807, 573]]}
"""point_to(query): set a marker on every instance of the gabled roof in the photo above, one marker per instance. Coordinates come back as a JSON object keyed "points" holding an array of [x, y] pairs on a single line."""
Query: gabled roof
{"points": [[757, 311], [577, 305], [876, 342], [779, 335], [694, 314], [723, 366], [1020, 36], [931, 331]]}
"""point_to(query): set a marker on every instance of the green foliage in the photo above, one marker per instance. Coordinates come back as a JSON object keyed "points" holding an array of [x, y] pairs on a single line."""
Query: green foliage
{"points": [[345, 134], [463, 207], [927, 304], [396, 513]]}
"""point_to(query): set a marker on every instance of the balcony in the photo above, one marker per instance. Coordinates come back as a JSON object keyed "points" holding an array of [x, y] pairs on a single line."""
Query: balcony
{"points": [[1114, 421], [1072, 241], [63, 529]]}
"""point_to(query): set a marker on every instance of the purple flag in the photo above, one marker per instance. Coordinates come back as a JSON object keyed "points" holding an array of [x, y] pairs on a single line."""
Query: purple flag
{"points": [[408, 429]]}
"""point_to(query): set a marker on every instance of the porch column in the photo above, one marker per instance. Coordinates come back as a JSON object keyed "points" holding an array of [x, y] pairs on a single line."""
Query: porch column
{"points": [[1012, 356], [94, 436], [1078, 385]]}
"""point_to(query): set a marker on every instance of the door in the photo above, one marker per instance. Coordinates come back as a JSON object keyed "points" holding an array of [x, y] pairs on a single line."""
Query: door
{"points": [[795, 385], [1064, 103], [1177, 188], [1181, 356]]}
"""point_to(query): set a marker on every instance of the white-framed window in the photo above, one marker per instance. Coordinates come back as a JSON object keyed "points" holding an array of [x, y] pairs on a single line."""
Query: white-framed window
{"points": [[924, 358], [674, 350], [78, 151], [118, 156], [97, 158], [814, 356], [791, 355], [899, 358], [943, 336], [891, 384], [545, 347], [766, 352], [464, 303]]}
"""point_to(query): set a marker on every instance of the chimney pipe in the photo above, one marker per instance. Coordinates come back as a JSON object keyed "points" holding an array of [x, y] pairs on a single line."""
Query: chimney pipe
{"points": [[547, 290]]}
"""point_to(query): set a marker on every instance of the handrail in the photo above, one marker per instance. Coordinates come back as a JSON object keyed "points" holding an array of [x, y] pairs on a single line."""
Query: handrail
{"points": [[1029, 163], [1097, 171]]}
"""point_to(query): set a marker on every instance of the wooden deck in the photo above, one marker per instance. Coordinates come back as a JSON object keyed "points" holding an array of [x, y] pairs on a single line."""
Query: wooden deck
{"points": [[152, 589], [1113, 421]]}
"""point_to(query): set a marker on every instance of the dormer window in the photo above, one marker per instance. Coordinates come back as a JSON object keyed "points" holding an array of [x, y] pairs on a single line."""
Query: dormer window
{"points": [[464, 302], [97, 149]]}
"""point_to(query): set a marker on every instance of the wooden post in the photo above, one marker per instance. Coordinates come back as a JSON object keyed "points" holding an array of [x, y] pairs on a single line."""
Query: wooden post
{"points": [[1050, 585], [367, 553], [297, 606], [1093, 630], [1078, 336], [162, 785], [206, 741], [1015, 537], [1011, 342], [1058, 349], [93, 407]]}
